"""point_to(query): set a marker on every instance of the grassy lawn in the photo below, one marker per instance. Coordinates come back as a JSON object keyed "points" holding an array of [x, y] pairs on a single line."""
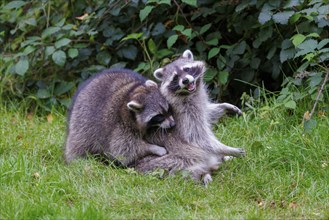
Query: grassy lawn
{"points": [[285, 174]]}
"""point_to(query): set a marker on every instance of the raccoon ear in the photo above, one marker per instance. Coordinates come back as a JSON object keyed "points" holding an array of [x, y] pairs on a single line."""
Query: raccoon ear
{"points": [[188, 55], [150, 83], [158, 74], [134, 106]]}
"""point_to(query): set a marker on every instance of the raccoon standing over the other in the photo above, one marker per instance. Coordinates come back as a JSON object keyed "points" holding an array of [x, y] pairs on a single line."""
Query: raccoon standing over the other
{"points": [[182, 85], [110, 115]]}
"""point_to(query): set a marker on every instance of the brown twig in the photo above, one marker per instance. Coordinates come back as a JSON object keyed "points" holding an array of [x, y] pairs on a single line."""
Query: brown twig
{"points": [[320, 92]]}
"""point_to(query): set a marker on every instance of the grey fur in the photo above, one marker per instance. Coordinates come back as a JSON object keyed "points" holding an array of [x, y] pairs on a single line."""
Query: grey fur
{"points": [[110, 115], [183, 87], [193, 111]]}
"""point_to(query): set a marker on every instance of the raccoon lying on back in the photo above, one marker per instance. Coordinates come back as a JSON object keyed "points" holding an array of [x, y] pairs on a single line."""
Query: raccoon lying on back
{"points": [[110, 115]]}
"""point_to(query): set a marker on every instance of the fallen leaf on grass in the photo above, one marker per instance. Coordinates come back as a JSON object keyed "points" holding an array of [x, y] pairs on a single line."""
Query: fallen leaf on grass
{"points": [[30, 116], [293, 205], [321, 114], [50, 118], [36, 175], [307, 116]]}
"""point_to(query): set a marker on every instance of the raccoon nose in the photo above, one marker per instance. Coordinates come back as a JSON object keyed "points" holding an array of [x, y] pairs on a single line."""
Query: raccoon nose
{"points": [[186, 81], [172, 124]]}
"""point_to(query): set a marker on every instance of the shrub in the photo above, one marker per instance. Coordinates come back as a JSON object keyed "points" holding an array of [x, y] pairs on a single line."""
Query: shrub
{"points": [[51, 46]]}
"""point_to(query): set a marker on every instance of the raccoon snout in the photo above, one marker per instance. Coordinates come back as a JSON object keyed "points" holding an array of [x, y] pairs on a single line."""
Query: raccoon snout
{"points": [[168, 123], [172, 123], [186, 81]]}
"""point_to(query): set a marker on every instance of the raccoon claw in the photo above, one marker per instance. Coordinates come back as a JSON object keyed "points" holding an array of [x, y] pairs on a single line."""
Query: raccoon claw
{"points": [[241, 153], [207, 179], [157, 150], [237, 110]]}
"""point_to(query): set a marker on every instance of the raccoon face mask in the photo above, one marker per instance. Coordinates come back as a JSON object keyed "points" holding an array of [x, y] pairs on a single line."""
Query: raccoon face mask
{"points": [[182, 76], [150, 109]]}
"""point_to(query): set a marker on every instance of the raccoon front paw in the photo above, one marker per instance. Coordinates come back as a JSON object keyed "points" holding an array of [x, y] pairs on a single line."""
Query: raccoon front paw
{"points": [[236, 110], [241, 152], [207, 179], [157, 150]]}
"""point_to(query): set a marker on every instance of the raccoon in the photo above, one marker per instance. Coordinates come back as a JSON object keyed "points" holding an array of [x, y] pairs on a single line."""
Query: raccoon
{"points": [[182, 85], [111, 113], [200, 152]]}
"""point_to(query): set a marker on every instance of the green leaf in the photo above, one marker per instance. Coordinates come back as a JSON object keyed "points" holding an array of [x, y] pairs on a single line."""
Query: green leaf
{"points": [[145, 12], [63, 87], [179, 28], [290, 104], [240, 48], [62, 42], [315, 35], [187, 32], [49, 50], [49, 31], [308, 46], [168, 2], [73, 52], [163, 53], [309, 125], [172, 40], [286, 54], [22, 66], [213, 52], [43, 94], [293, 19], [28, 50], [212, 42], [129, 52], [151, 46], [287, 50], [134, 36], [210, 74], [315, 80], [223, 77], [191, 2], [282, 17], [323, 43], [265, 15], [158, 29], [59, 57], [297, 39], [255, 63], [205, 28], [14, 4], [103, 58]]}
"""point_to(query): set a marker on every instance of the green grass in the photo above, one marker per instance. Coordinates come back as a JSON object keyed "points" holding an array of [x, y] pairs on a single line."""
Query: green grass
{"points": [[283, 176]]}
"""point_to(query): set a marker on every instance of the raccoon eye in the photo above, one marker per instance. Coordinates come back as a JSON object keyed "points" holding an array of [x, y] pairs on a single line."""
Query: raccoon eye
{"points": [[175, 78], [187, 69], [157, 119]]}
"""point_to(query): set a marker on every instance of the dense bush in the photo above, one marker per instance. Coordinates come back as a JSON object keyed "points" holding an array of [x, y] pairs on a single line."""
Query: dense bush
{"points": [[51, 46]]}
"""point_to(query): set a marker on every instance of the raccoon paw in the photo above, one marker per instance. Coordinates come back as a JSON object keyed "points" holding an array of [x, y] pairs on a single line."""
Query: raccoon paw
{"points": [[241, 153], [157, 150], [237, 110], [231, 108], [207, 179], [226, 158]]}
